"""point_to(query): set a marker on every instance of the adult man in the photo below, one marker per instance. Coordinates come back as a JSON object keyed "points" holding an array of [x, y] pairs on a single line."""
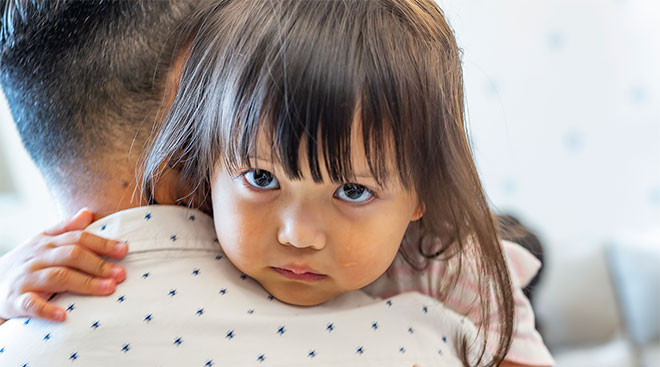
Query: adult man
{"points": [[84, 81]]}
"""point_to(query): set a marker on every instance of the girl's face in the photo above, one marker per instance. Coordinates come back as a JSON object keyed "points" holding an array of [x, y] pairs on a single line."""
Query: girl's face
{"points": [[308, 242]]}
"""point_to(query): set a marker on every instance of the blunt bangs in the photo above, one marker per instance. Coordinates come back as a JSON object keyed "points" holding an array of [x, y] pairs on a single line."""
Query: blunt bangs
{"points": [[306, 73]]}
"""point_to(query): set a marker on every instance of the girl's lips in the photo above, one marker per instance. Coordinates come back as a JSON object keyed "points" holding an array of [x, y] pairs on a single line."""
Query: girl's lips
{"points": [[295, 274]]}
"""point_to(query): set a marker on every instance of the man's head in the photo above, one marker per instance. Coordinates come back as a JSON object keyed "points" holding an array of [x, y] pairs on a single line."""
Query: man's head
{"points": [[85, 79]]}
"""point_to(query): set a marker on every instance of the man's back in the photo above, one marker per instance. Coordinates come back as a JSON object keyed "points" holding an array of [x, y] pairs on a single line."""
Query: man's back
{"points": [[184, 304]]}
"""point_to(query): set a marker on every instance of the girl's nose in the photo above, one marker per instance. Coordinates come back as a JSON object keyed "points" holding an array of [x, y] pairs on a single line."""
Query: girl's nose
{"points": [[302, 229]]}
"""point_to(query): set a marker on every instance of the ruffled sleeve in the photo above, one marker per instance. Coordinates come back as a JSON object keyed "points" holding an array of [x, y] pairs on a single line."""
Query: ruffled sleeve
{"points": [[527, 346]]}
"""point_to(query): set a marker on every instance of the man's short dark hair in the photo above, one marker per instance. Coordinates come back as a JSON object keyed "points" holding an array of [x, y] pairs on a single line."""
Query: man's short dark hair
{"points": [[84, 77]]}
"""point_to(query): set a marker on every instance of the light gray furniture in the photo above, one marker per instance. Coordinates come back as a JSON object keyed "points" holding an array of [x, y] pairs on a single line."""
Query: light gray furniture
{"points": [[635, 275]]}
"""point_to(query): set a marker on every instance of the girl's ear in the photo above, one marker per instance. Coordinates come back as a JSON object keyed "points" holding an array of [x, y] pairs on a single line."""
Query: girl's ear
{"points": [[418, 213]]}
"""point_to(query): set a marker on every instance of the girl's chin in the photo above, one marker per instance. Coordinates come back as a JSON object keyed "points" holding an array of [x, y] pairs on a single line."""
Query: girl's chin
{"points": [[296, 295]]}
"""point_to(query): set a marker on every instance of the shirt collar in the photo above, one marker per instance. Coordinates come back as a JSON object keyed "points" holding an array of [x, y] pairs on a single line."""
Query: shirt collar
{"points": [[158, 227]]}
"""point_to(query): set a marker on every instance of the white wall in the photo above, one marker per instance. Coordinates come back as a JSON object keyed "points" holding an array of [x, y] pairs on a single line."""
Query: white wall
{"points": [[25, 207], [564, 107], [6, 181]]}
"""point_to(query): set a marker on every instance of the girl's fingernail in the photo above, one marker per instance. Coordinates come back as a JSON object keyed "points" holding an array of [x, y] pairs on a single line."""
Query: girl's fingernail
{"points": [[105, 284], [116, 272], [120, 247], [59, 315]]}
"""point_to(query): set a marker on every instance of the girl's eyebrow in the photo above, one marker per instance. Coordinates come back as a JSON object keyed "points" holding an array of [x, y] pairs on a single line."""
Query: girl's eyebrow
{"points": [[362, 174], [261, 158]]}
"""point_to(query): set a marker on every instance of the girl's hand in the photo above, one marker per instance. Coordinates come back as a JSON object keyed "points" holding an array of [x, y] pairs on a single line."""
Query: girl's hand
{"points": [[63, 258]]}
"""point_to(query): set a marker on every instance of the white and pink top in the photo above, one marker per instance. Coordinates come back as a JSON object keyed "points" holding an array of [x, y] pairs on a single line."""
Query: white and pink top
{"points": [[527, 347]]}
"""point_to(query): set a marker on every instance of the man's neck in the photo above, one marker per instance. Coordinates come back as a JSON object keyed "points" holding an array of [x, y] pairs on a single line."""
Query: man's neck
{"points": [[102, 198], [117, 188], [109, 187]]}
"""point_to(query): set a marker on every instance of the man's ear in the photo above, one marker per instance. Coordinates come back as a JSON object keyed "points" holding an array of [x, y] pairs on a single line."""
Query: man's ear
{"points": [[166, 189], [418, 213], [172, 189], [175, 72], [173, 79]]}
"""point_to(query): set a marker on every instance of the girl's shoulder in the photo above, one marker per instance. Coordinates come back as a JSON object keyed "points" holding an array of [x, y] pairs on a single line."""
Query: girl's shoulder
{"points": [[462, 271]]}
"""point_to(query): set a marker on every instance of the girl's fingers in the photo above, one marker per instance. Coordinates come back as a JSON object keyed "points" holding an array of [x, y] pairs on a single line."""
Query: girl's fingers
{"points": [[33, 305], [99, 245], [79, 221], [62, 279], [80, 258]]}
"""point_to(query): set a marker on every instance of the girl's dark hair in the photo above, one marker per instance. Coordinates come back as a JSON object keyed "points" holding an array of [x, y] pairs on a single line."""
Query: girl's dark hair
{"points": [[303, 72]]}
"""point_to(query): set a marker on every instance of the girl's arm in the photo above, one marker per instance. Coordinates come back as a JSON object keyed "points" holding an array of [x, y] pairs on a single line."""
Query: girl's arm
{"points": [[63, 258]]}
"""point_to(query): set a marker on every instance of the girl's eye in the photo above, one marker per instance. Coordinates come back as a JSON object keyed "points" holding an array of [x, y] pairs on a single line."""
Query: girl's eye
{"points": [[261, 179], [354, 193]]}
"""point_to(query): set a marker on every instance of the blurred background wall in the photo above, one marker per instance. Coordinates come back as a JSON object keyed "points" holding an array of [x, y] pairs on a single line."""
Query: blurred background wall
{"points": [[25, 205], [563, 101]]}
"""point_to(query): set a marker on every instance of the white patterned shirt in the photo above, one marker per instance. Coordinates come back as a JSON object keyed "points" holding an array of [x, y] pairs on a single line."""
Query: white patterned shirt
{"points": [[184, 304]]}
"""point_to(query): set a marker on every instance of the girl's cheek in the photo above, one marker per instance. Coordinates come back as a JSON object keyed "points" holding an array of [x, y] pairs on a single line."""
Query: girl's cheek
{"points": [[349, 254], [369, 247], [362, 259], [361, 270]]}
